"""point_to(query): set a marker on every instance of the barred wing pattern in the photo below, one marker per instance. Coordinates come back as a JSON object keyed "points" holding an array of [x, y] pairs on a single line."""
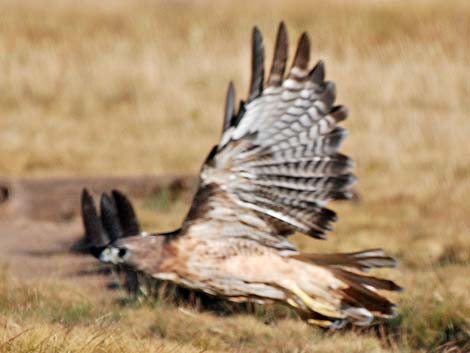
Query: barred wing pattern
{"points": [[278, 162]]}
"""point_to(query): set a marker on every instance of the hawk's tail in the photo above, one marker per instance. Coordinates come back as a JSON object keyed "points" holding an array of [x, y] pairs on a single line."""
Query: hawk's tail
{"points": [[349, 296]]}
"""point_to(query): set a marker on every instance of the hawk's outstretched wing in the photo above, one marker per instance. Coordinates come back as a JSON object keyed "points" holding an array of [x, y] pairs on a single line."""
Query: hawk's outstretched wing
{"points": [[278, 163]]}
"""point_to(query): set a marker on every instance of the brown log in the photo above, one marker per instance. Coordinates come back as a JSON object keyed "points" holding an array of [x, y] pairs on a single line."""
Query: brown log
{"points": [[58, 198]]}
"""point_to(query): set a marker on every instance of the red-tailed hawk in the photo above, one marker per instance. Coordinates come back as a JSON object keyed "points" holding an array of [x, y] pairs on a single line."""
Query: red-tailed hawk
{"points": [[272, 174]]}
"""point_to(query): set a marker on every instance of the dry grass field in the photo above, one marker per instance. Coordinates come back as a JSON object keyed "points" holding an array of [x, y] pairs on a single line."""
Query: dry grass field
{"points": [[129, 88]]}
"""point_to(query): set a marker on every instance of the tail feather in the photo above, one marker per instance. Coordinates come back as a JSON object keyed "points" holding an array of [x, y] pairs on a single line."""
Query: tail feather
{"points": [[361, 260], [360, 297], [369, 281], [354, 296]]}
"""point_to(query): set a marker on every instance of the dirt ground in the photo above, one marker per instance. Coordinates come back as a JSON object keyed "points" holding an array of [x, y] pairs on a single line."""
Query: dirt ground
{"points": [[35, 250], [40, 224]]}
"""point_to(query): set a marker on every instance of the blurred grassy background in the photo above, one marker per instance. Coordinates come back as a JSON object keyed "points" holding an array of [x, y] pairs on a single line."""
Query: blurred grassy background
{"points": [[137, 88]]}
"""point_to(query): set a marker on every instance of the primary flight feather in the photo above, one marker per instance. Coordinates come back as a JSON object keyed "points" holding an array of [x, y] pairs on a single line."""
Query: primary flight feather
{"points": [[272, 174]]}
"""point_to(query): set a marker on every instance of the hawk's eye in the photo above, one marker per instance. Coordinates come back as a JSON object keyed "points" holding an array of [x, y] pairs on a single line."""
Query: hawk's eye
{"points": [[122, 252]]}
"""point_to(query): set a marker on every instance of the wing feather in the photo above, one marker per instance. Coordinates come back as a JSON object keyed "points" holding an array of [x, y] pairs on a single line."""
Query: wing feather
{"points": [[95, 234], [278, 159], [229, 111], [257, 66], [110, 217], [301, 59], [278, 66]]}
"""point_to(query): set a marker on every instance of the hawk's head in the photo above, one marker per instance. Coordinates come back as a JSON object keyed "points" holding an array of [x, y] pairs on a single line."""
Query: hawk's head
{"points": [[114, 255]]}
